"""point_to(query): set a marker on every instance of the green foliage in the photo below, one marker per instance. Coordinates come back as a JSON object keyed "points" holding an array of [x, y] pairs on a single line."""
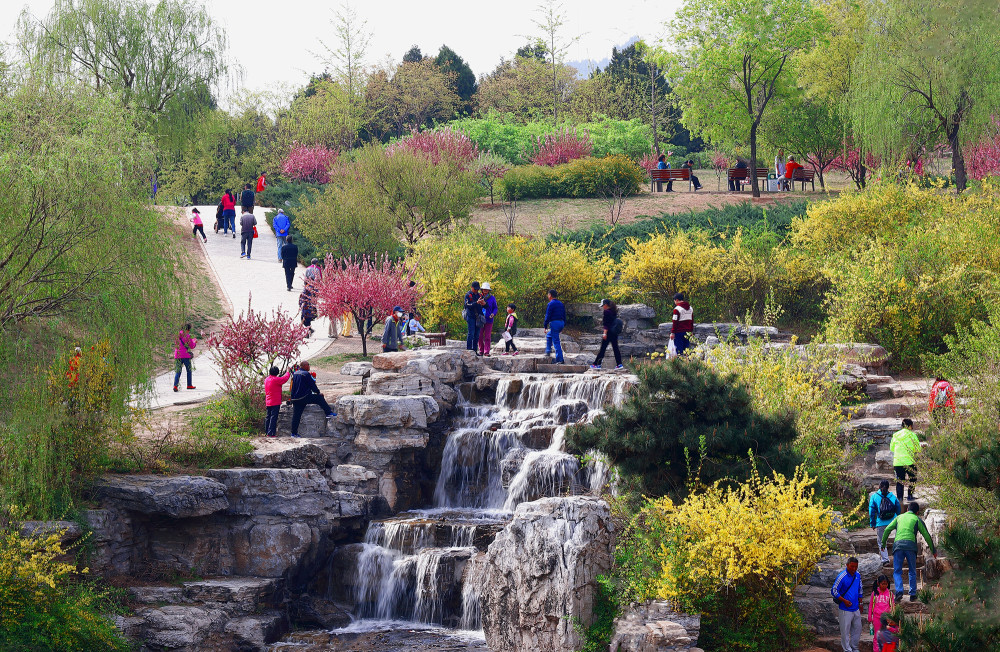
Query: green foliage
{"points": [[685, 416], [607, 607], [531, 182], [502, 134], [585, 177], [629, 138], [219, 436]]}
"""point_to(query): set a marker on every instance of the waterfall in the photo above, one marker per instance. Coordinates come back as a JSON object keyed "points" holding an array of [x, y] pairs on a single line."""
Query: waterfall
{"points": [[423, 566]]}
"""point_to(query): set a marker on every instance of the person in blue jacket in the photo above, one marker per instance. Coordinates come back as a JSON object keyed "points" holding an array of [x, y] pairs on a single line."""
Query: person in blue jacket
{"points": [[846, 592], [883, 507], [281, 225], [555, 321]]}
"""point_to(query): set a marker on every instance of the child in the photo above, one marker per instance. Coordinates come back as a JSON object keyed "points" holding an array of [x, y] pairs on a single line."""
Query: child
{"points": [[510, 330], [882, 601], [272, 399], [413, 326], [888, 635], [199, 226]]}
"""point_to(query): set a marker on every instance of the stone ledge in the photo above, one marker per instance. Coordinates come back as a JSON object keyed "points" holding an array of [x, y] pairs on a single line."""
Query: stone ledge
{"points": [[179, 496]]}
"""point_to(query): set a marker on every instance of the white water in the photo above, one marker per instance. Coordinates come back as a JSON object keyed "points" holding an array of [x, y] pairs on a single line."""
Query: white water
{"points": [[423, 566]]}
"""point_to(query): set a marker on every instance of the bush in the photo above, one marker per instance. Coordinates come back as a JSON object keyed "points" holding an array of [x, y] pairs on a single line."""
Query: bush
{"points": [[585, 177], [560, 147], [219, 437], [503, 135], [309, 164], [683, 418], [519, 269], [439, 144], [733, 554], [629, 138], [530, 182], [40, 609]]}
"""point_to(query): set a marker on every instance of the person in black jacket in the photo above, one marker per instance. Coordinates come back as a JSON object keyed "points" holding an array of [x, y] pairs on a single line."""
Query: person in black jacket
{"points": [[689, 165], [473, 317], [611, 325], [289, 261], [305, 392], [247, 199]]}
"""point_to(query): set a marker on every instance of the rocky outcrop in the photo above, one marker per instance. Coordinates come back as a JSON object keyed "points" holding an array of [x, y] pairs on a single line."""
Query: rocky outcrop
{"points": [[541, 571], [178, 496], [813, 599], [655, 627]]}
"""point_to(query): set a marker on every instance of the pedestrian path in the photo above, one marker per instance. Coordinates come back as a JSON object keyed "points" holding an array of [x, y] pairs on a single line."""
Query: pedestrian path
{"points": [[261, 278]]}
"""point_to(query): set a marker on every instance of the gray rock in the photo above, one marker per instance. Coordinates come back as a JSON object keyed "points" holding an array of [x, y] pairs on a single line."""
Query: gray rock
{"points": [[292, 493], [176, 627], [313, 423], [817, 609], [356, 369], [254, 632], [178, 496], [385, 440], [388, 411], [883, 460], [68, 531], [655, 627], [541, 572], [288, 454], [351, 474]]}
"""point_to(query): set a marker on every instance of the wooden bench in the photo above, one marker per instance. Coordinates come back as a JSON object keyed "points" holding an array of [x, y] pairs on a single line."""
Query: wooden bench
{"points": [[658, 176], [436, 339], [805, 176], [743, 175]]}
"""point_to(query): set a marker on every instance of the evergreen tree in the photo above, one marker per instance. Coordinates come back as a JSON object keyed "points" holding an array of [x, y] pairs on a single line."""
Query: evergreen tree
{"points": [[464, 80], [684, 416], [413, 55]]}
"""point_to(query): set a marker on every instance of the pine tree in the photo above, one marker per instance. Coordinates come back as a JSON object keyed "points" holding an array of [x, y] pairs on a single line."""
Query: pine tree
{"points": [[684, 416]]}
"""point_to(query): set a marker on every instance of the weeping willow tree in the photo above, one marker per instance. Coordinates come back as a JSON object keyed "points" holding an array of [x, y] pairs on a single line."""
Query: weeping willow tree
{"points": [[84, 262], [927, 75]]}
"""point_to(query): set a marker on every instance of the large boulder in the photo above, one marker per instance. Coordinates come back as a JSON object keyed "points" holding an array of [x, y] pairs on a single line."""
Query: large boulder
{"points": [[385, 411], [178, 496], [294, 493], [541, 574], [655, 627]]}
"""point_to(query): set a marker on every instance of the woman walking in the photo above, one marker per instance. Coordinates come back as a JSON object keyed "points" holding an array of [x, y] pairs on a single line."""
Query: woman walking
{"points": [[182, 355], [612, 329], [229, 212], [941, 399]]}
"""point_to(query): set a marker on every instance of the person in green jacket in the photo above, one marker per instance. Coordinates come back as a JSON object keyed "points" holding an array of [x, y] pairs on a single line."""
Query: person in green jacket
{"points": [[906, 526], [904, 447]]}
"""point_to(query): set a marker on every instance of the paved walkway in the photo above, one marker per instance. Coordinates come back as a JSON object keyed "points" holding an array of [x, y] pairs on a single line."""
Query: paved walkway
{"points": [[261, 278]]}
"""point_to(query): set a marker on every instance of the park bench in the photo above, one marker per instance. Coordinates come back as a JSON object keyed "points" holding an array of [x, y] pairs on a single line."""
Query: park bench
{"points": [[436, 339], [743, 175], [657, 177], [805, 176]]}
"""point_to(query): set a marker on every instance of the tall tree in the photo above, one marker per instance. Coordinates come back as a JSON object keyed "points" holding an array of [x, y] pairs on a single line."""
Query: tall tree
{"points": [[346, 58], [928, 68], [413, 55], [463, 79], [148, 53], [808, 128], [551, 23], [521, 87], [732, 60]]}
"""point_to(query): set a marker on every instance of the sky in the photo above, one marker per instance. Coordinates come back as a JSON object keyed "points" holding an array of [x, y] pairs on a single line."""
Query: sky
{"points": [[275, 42]]}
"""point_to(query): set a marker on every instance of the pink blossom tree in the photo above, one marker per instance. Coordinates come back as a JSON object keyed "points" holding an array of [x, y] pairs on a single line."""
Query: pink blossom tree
{"points": [[367, 288], [246, 347], [440, 144], [648, 162], [560, 147], [490, 168], [983, 158], [720, 162], [856, 163], [311, 164]]}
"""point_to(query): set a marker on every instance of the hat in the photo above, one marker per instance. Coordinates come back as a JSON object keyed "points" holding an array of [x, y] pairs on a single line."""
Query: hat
{"points": [[398, 309], [486, 285]]}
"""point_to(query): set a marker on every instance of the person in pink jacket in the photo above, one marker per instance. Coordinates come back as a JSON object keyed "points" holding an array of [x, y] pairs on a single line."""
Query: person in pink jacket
{"points": [[272, 399], [183, 354], [882, 601]]}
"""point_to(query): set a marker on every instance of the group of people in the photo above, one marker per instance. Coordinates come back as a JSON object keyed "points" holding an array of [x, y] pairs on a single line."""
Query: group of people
{"points": [[784, 172], [663, 164], [303, 392], [479, 312]]}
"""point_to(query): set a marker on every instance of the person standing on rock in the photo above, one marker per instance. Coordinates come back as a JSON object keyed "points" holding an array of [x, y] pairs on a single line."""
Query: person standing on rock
{"points": [[555, 321], [682, 323], [305, 392], [612, 329], [282, 225], [510, 330], [904, 447], [392, 339], [182, 355], [942, 397], [881, 602], [472, 313], [906, 526], [883, 508], [289, 261], [490, 309], [272, 400], [846, 592], [247, 225]]}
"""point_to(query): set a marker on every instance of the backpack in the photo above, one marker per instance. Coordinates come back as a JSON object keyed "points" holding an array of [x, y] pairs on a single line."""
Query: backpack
{"points": [[617, 327], [941, 396], [886, 509]]}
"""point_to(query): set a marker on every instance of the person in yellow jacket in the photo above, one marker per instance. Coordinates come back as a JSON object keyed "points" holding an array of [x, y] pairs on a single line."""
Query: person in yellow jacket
{"points": [[904, 447]]}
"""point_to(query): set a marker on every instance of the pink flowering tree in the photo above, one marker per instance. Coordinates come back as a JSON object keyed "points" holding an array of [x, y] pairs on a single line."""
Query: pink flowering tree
{"points": [[246, 347], [983, 159], [560, 147], [856, 164], [367, 288], [648, 162], [720, 162], [490, 168], [440, 144], [309, 163]]}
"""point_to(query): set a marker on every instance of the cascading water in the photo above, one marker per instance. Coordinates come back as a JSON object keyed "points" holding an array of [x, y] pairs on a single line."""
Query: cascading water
{"points": [[424, 566]]}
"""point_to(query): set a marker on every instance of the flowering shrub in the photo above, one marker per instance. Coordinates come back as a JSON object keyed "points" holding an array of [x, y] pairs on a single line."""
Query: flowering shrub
{"points": [[648, 163], [560, 147], [854, 164], [39, 610], [309, 164], [490, 168], [439, 144], [983, 158], [246, 347], [367, 288]]}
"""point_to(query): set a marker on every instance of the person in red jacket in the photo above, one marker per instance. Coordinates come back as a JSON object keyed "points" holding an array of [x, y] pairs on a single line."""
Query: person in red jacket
{"points": [[272, 399], [683, 323], [790, 169], [942, 397], [228, 212]]}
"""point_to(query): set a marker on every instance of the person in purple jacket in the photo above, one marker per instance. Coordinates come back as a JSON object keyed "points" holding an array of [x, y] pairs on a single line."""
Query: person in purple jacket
{"points": [[490, 309], [183, 354]]}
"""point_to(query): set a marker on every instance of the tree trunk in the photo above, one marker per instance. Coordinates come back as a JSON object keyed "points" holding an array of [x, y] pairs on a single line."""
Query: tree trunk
{"points": [[753, 159], [957, 158], [364, 336], [652, 107], [822, 185]]}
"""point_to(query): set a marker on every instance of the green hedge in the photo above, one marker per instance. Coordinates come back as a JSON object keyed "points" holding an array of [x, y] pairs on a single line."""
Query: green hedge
{"points": [[586, 177]]}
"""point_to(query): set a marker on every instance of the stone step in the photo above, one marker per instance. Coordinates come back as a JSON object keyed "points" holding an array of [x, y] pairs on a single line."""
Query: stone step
{"points": [[234, 595], [920, 387], [196, 627], [287, 453], [561, 368], [882, 409]]}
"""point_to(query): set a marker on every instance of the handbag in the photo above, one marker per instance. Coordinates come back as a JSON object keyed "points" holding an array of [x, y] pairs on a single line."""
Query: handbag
{"points": [[671, 350], [507, 337], [255, 231]]}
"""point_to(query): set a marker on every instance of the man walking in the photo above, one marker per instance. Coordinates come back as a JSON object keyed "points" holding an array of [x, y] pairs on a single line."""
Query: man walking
{"points": [[247, 199], [289, 261], [247, 224], [904, 447], [906, 526], [846, 593], [281, 225], [392, 339], [555, 321], [682, 323], [304, 392], [883, 508]]}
